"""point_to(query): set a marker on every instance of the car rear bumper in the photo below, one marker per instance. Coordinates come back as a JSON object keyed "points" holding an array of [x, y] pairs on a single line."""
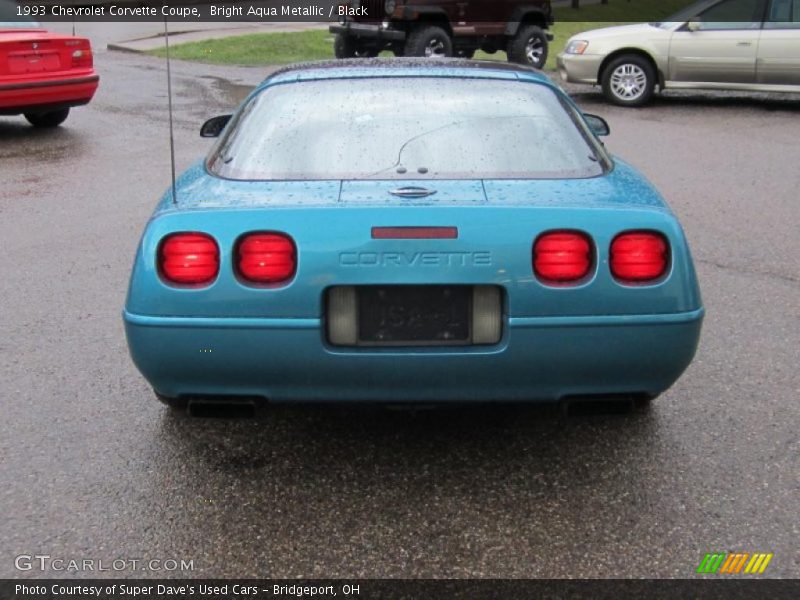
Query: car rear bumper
{"points": [[370, 32], [579, 68], [25, 96], [538, 359]]}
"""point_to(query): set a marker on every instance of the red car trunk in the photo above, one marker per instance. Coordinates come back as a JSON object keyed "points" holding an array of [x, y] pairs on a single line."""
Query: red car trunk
{"points": [[31, 52]]}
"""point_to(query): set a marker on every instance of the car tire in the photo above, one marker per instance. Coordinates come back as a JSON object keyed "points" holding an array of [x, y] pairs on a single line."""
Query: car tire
{"points": [[629, 80], [529, 47], [346, 47], [173, 403], [429, 41], [46, 120]]}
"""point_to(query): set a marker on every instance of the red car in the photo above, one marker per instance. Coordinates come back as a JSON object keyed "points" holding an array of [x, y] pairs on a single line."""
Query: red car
{"points": [[42, 74]]}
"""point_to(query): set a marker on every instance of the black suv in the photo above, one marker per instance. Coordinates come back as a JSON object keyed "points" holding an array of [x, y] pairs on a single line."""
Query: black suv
{"points": [[445, 28]]}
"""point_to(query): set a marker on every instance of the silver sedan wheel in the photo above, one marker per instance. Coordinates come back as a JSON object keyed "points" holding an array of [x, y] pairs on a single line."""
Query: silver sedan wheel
{"points": [[534, 50], [628, 82], [435, 49]]}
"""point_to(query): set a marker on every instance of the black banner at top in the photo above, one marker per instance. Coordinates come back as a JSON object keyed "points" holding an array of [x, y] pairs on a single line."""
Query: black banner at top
{"points": [[465, 14]]}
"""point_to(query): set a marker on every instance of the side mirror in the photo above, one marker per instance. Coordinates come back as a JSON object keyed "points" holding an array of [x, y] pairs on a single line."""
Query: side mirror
{"points": [[694, 24], [598, 125], [214, 126]]}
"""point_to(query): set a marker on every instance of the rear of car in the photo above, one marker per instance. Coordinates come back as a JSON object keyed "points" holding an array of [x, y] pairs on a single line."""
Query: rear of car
{"points": [[42, 74], [411, 234]]}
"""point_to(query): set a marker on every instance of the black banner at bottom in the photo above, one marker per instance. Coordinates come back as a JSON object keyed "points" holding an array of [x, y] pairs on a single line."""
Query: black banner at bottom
{"points": [[400, 589]]}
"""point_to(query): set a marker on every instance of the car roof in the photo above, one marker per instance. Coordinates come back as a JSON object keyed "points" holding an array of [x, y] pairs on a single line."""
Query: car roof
{"points": [[405, 67]]}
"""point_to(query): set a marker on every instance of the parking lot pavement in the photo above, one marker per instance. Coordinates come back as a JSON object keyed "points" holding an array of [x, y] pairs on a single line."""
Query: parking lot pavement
{"points": [[94, 467]]}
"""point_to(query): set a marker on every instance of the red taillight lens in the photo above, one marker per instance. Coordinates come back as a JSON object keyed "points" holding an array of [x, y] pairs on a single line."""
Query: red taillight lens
{"points": [[82, 57], [189, 258], [266, 258], [639, 256], [562, 256]]}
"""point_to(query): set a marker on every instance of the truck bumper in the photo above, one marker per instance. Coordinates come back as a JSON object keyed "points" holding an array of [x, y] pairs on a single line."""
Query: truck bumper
{"points": [[369, 32], [538, 359]]}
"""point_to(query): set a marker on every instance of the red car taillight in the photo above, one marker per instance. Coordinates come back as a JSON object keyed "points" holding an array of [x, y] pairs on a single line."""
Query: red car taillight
{"points": [[82, 58], [639, 256], [562, 257], [266, 258], [189, 258]]}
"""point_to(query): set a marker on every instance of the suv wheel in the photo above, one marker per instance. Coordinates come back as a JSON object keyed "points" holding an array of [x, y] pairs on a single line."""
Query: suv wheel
{"points": [[345, 47], [429, 41], [629, 80], [528, 47]]}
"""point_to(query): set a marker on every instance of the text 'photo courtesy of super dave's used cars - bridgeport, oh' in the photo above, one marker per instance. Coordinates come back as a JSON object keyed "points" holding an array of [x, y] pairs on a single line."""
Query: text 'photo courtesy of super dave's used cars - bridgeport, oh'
{"points": [[332, 247], [42, 74]]}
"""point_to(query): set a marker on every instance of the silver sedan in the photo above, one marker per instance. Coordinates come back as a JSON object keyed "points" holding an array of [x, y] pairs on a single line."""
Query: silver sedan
{"points": [[713, 44]]}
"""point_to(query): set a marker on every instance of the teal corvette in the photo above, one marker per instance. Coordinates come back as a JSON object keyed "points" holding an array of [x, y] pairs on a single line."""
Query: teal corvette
{"points": [[411, 231]]}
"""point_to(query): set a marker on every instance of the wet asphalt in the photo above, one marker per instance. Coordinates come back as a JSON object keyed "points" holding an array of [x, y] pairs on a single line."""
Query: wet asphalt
{"points": [[94, 467]]}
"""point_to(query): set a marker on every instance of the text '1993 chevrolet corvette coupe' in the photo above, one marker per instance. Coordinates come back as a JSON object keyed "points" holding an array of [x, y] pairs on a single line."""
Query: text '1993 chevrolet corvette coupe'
{"points": [[411, 231]]}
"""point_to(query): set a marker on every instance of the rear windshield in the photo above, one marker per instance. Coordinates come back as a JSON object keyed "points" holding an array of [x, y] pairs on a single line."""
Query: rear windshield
{"points": [[407, 128]]}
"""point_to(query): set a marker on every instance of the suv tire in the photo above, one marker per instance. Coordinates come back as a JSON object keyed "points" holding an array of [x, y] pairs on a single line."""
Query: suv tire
{"points": [[429, 41], [49, 119], [629, 80], [528, 47], [346, 47]]}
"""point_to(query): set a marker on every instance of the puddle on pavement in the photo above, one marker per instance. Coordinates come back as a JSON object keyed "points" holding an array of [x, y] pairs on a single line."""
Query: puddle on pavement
{"points": [[234, 92]]}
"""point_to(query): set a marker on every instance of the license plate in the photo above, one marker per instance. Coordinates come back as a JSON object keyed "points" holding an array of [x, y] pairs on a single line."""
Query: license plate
{"points": [[34, 62], [415, 315]]}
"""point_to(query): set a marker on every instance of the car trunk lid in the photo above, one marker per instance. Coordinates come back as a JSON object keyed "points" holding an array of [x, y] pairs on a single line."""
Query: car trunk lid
{"points": [[31, 53], [412, 193]]}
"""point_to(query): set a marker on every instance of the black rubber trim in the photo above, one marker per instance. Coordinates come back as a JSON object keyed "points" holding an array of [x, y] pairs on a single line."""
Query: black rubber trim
{"points": [[51, 83]]}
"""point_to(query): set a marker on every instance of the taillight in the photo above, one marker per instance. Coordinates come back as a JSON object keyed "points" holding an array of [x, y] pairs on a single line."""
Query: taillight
{"points": [[189, 258], [639, 256], [82, 57], [562, 257], [266, 258]]}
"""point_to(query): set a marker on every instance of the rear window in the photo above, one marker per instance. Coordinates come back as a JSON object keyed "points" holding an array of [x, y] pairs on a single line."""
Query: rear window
{"points": [[407, 128]]}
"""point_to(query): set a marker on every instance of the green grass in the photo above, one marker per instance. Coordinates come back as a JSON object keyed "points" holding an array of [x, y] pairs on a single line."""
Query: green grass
{"points": [[256, 49], [282, 48]]}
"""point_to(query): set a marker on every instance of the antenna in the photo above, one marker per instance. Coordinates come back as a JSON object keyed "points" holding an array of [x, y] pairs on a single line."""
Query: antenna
{"points": [[169, 101]]}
